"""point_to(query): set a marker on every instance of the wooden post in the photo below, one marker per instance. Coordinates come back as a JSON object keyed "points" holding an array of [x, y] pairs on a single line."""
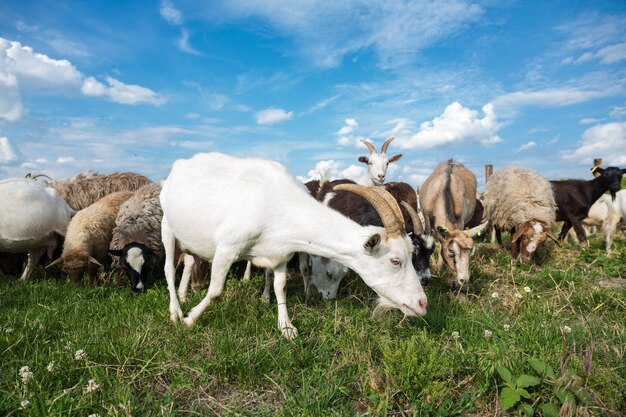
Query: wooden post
{"points": [[488, 171]]}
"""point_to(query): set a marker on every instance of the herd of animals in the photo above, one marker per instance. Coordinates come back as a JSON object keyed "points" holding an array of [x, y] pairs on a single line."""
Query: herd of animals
{"points": [[222, 209]]}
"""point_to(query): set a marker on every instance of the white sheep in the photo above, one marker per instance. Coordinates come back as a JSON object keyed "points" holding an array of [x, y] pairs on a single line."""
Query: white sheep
{"points": [[521, 201], [30, 215]]}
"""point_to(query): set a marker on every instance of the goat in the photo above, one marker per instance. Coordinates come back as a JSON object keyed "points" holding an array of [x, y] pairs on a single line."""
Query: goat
{"points": [[448, 197], [377, 163], [574, 198], [520, 200], [88, 238], [84, 189], [254, 209], [327, 275], [607, 215], [31, 217]]}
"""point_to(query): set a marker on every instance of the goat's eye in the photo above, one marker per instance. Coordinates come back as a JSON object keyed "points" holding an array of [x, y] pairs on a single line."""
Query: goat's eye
{"points": [[396, 261], [369, 163], [450, 252]]}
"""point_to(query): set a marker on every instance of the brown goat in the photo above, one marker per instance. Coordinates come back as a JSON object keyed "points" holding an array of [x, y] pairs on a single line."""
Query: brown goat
{"points": [[448, 197]]}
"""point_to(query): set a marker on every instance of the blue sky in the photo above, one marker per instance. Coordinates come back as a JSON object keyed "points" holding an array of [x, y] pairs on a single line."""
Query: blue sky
{"points": [[116, 86]]}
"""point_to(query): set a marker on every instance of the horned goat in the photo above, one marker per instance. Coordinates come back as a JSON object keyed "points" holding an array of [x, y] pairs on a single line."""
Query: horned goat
{"points": [[88, 238], [377, 163], [448, 197], [238, 216], [31, 216], [520, 200]]}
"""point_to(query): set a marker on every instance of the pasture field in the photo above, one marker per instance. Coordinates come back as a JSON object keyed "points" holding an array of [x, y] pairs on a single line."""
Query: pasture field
{"points": [[106, 351]]}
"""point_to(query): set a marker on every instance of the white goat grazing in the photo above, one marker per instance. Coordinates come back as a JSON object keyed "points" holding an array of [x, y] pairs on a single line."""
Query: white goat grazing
{"points": [[607, 214], [377, 163], [30, 215], [226, 209]]}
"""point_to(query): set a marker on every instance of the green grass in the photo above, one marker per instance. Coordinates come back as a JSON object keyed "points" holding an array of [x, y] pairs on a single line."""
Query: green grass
{"points": [[234, 360]]}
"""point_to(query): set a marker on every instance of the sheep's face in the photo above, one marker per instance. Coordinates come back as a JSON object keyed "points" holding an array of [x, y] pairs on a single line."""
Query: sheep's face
{"points": [[326, 276], [75, 263], [528, 238], [134, 257]]}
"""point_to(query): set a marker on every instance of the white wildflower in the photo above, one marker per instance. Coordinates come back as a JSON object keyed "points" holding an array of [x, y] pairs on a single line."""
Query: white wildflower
{"points": [[488, 333], [495, 295], [527, 290], [93, 415], [26, 374], [25, 403], [507, 327], [80, 355], [518, 296], [92, 386], [567, 329], [8, 330], [455, 335], [68, 346], [50, 366]]}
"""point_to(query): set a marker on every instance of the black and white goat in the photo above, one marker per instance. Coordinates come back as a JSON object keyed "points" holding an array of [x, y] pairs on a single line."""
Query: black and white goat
{"points": [[254, 209], [574, 198]]}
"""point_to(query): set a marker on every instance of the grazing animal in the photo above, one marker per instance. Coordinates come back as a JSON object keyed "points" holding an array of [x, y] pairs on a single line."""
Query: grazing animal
{"points": [[327, 275], [254, 209], [520, 200], [607, 215], [448, 196], [31, 217], [377, 163], [88, 238], [84, 189], [574, 198]]}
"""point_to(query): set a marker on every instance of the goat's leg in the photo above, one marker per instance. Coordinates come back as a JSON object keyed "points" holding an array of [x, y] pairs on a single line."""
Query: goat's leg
{"points": [[580, 232], [248, 273], [169, 243], [222, 261], [280, 281], [566, 226], [303, 263], [269, 277], [31, 263], [184, 280]]}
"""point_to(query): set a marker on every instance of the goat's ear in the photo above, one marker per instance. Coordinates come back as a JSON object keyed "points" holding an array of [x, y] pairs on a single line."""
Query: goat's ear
{"points": [[597, 171], [364, 159], [477, 231], [395, 158], [624, 171], [372, 243], [116, 252]]}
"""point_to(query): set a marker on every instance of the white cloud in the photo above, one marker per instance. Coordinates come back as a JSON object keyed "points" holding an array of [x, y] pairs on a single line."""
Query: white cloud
{"points": [[11, 107], [618, 112], [272, 116], [185, 46], [526, 146], [607, 141], [333, 170], [324, 32], [198, 145], [455, 125], [171, 14], [121, 93], [321, 104], [589, 121], [65, 159], [7, 153], [346, 136], [192, 116], [551, 97]]}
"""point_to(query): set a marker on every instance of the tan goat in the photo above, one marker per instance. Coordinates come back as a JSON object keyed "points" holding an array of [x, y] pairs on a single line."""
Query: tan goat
{"points": [[448, 196]]}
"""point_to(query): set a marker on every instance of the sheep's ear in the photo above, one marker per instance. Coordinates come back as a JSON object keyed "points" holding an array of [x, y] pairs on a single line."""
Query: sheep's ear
{"points": [[94, 261], [372, 242], [116, 252], [553, 237], [364, 159], [395, 158], [519, 232]]}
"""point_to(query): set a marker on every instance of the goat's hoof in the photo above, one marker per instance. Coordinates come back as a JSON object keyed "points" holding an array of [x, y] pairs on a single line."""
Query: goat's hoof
{"points": [[288, 331], [182, 299], [175, 315], [188, 321], [265, 298]]}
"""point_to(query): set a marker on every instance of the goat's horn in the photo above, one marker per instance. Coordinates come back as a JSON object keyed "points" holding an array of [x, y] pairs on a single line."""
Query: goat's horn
{"points": [[35, 176], [387, 142], [387, 216], [55, 262], [418, 229], [393, 203], [369, 145], [427, 229]]}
